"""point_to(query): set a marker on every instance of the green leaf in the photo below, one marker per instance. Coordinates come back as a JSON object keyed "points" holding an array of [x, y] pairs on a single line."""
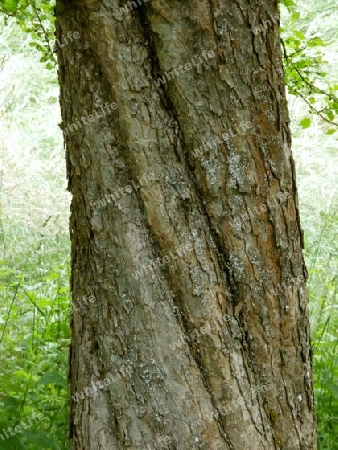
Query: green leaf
{"points": [[330, 132], [333, 389], [305, 123], [11, 403], [288, 3], [316, 42], [330, 115], [12, 443], [299, 34], [10, 5], [52, 378]]}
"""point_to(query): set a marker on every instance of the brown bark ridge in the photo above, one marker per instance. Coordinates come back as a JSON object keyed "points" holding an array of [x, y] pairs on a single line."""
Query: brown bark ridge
{"points": [[184, 227]]}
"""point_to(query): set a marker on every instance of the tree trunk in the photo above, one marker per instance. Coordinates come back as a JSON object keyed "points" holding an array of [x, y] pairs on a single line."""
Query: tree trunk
{"points": [[190, 322]]}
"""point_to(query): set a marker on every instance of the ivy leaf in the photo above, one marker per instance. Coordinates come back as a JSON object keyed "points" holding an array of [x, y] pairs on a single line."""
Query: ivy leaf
{"points": [[305, 123]]}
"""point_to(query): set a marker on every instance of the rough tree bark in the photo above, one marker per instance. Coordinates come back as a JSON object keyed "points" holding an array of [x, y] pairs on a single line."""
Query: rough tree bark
{"points": [[184, 227]]}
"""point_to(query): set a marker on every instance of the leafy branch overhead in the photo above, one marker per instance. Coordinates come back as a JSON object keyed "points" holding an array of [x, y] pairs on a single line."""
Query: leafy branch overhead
{"points": [[305, 74], [304, 59], [36, 18]]}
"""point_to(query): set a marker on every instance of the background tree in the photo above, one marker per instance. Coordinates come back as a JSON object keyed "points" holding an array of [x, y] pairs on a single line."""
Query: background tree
{"points": [[199, 334]]}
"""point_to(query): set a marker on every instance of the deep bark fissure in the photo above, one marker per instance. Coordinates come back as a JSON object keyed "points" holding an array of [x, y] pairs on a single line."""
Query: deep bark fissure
{"points": [[184, 156], [179, 134], [188, 374]]}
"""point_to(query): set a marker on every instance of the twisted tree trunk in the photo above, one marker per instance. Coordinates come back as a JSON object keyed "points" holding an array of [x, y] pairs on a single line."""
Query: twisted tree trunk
{"points": [[190, 321]]}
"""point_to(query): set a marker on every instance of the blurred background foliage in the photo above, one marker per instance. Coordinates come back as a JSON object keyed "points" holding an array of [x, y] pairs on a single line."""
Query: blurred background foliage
{"points": [[34, 211]]}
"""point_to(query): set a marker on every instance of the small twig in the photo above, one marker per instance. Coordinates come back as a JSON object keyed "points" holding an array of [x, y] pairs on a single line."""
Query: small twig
{"points": [[44, 31], [315, 89], [315, 111], [285, 53]]}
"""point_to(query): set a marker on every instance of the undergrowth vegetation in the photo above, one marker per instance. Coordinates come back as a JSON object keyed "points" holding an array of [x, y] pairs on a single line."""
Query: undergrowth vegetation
{"points": [[34, 244], [34, 339]]}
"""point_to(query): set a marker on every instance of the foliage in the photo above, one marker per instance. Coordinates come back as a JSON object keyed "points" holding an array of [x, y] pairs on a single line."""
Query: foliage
{"points": [[34, 262], [303, 59], [323, 289], [305, 73], [36, 18], [34, 338], [34, 250]]}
